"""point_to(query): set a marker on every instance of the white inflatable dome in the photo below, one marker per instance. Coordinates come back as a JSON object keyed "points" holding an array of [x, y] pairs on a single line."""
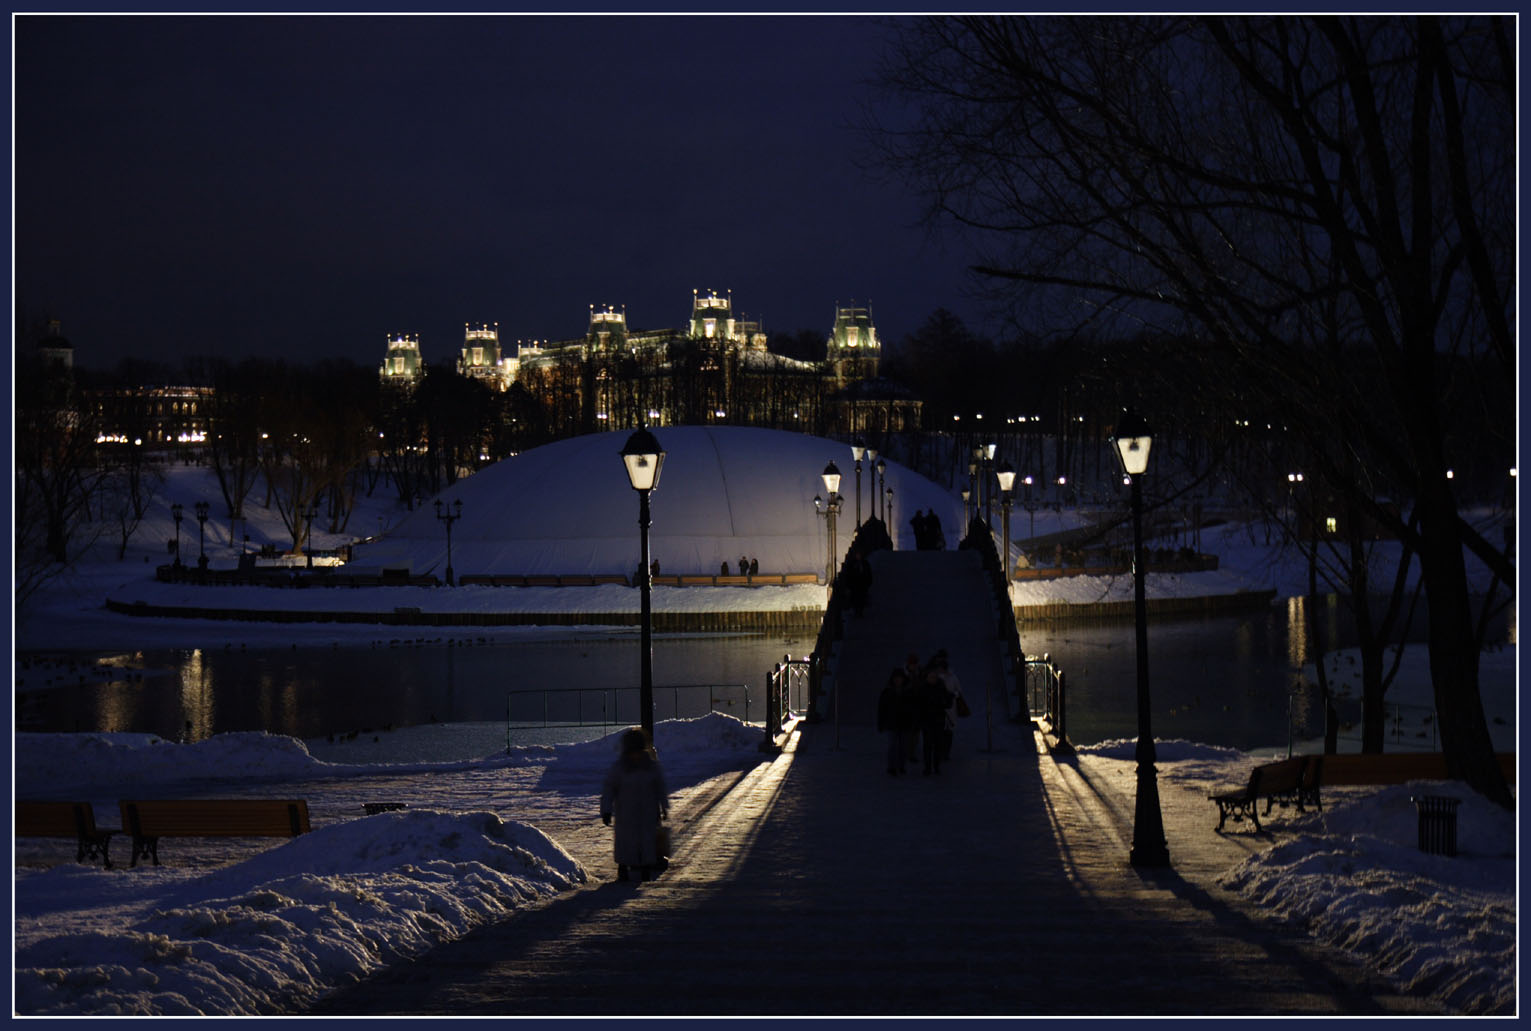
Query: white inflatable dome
{"points": [[724, 492]]}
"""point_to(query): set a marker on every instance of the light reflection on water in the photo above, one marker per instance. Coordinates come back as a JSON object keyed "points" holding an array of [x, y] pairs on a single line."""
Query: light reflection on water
{"points": [[1230, 681]]}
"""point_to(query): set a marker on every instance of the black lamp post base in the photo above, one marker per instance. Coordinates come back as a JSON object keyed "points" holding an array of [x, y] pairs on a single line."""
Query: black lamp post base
{"points": [[1148, 845]]}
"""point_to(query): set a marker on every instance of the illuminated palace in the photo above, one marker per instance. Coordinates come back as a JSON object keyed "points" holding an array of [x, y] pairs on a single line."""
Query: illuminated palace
{"points": [[717, 369]]}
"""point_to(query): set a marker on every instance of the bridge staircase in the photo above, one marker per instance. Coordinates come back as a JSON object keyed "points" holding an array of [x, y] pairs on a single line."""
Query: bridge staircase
{"points": [[921, 602]]}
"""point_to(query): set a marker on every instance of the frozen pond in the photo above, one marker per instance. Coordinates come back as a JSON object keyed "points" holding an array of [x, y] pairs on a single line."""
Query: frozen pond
{"points": [[1230, 681]]}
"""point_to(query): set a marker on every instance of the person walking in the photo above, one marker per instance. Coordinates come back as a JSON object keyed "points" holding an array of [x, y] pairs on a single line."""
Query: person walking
{"points": [[894, 719], [633, 802], [858, 580], [914, 680], [933, 700], [957, 705]]}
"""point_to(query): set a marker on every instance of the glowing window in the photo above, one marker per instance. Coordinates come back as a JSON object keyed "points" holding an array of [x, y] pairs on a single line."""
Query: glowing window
{"points": [[1332, 525]]}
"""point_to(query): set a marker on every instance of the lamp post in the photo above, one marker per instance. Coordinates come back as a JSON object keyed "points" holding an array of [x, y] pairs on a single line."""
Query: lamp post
{"points": [[831, 477], [858, 451], [973, 484], [201, 535], [1006, 478], [451, 514], [1031, 508], [643, 458], [988, 491], [175, 513], [1133, 440], [888, 509], [882, 480], [966, 514]]}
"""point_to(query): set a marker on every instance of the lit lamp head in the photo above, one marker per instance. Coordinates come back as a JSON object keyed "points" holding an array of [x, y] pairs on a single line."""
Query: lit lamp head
{"points": [[881, 466], [643, 458], [858, 449], [1006, 476], [831, 479], [989, 450], [1132, 439]]}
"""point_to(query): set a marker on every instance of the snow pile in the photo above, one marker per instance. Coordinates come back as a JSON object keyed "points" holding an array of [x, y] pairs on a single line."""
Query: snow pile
{"points": [[277, 930], [1436, 926], [271, 931]]}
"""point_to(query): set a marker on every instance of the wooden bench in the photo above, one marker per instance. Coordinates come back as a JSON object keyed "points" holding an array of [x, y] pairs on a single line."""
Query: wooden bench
{"points": [[66, 820], [1293, 781], [148, 820], [800, 578]]}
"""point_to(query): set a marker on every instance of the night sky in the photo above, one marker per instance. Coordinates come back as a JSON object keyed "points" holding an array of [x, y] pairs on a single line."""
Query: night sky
{"points": [[301, 187]]}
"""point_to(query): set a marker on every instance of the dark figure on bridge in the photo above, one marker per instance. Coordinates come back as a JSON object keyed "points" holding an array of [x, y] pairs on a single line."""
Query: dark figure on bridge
{"points": [[858, 580], [934, 532], [895, 718], [724, 570], [914, 678], [956, 704], [921, 528], [754, 566], [634, 796], [744, 566], [934, 699]]}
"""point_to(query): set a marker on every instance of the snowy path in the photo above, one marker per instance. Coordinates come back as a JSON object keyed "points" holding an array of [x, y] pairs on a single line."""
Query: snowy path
{"points": [[820, 885]]}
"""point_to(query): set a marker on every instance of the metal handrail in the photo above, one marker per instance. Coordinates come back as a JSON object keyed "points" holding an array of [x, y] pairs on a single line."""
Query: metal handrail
{"points": [[873, 536], [786, 675], [1044, 694], [609, 698]]}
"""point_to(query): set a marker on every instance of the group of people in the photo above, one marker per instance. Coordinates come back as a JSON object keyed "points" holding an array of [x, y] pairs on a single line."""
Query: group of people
{"points": [[747, 567], [928, 535], [918, 711]]}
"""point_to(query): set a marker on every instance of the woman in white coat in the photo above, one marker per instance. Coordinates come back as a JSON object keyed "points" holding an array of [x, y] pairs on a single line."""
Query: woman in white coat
{"points": [[633, 802]]}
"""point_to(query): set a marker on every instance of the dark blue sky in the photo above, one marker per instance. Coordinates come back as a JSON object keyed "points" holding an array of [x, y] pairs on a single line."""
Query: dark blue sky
{"points": [[303, 186]]}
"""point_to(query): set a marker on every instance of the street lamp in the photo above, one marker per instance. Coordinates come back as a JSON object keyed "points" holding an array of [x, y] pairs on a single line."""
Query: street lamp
{"points": [[858, 451], [831, 477], [888, 509], [1133, 440], [175, 512], [1031, 507], [1006, 477], [882, 478], [966, 515], [643, 458], [450, 516], [988, 491], [973, 484], [201, 536]]}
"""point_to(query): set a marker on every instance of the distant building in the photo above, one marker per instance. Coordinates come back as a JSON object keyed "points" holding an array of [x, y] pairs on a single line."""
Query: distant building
{"points": [[157, 418], [402, 365], [481, 360], [717, 369], [54, 352], [853, 350]]}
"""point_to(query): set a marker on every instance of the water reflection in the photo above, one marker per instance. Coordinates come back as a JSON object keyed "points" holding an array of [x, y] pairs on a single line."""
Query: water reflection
{"points": [[1232, 681]]}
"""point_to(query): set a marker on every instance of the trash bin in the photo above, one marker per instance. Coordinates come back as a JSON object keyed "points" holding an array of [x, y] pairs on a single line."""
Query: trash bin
{"points": [[1437, 823]]}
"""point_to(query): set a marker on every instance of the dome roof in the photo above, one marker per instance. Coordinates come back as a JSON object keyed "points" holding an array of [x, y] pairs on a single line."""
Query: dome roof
{"points": [[724, 492]]}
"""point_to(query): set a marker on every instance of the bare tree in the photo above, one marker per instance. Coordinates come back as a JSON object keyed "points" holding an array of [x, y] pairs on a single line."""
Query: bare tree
{"points": [[1240, 184]]}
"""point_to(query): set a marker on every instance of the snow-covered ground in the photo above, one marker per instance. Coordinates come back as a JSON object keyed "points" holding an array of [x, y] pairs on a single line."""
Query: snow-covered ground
{"points": [[267, 928], [261, 929]]}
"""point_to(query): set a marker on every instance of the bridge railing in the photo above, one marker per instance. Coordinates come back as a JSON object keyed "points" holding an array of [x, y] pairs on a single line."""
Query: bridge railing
{"points": [[1045, 694], [980, 538], [789, 687], [871, 536]]}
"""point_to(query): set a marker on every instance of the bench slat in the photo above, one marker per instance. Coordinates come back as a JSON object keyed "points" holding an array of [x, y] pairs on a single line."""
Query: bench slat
{"points": [[148, 820]]}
